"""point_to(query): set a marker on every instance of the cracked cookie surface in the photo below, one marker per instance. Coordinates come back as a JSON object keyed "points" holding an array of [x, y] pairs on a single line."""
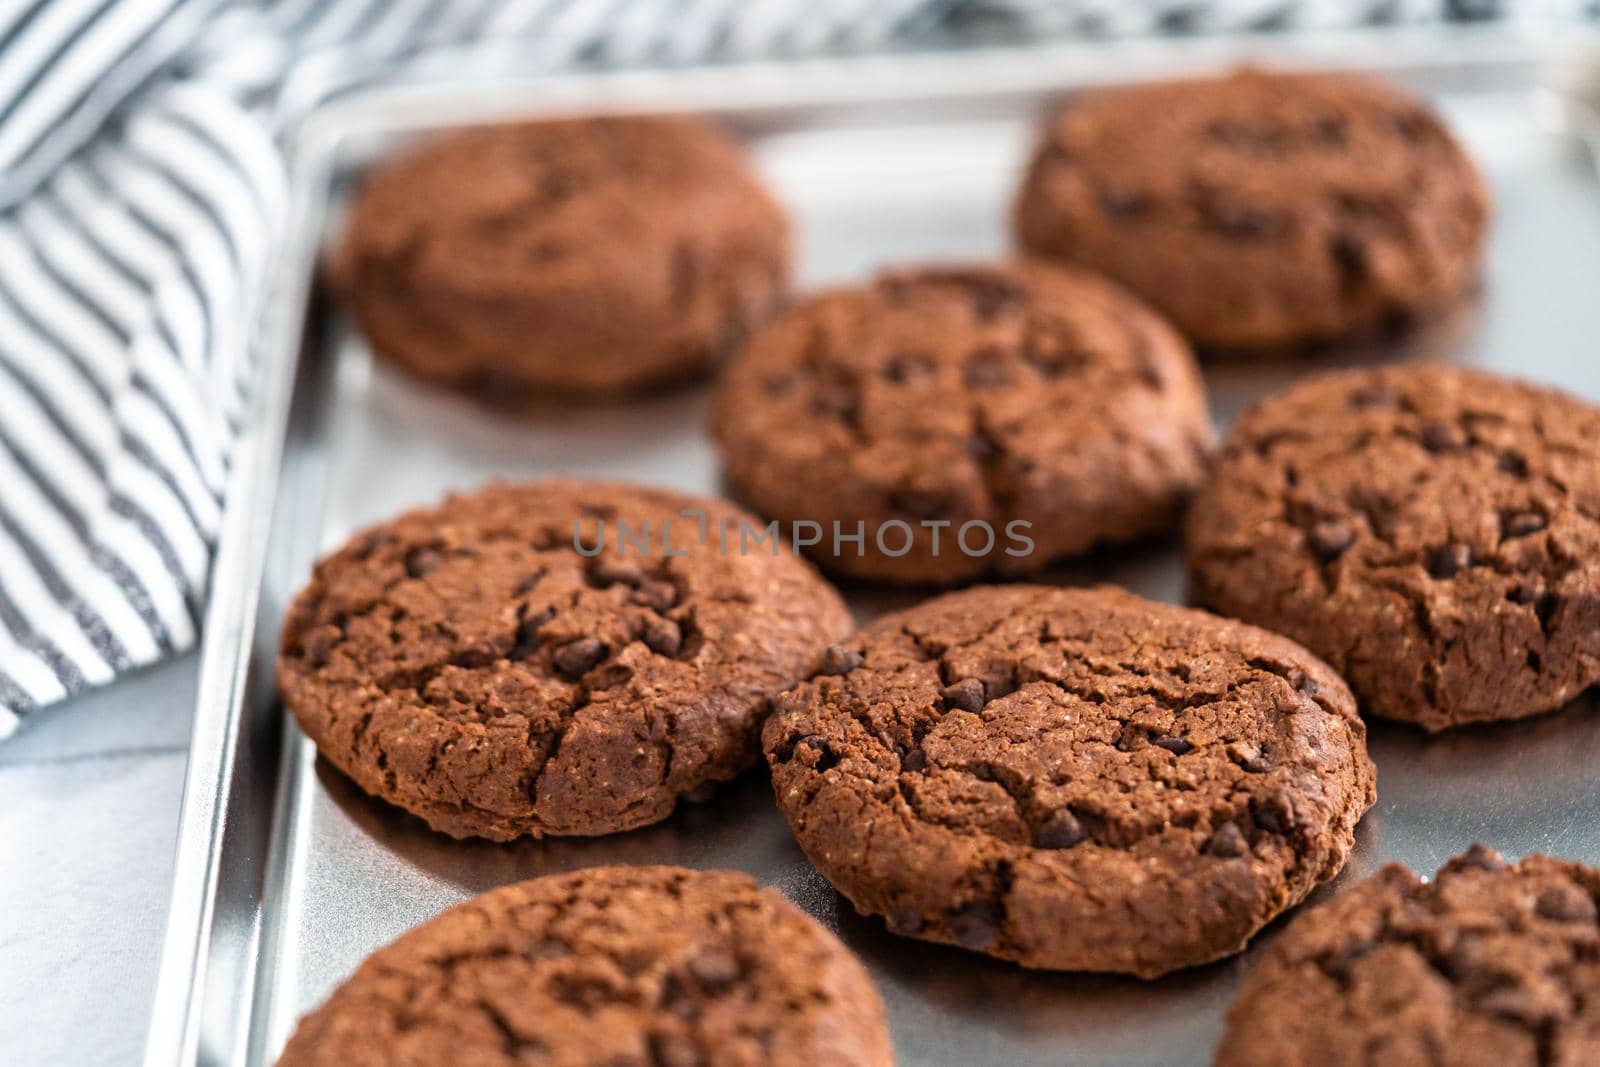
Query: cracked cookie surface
{"points": [[1432, 532], [623, 966], [1489, 965], [1071, 779], [593, 255], [937, 397], [1261, 209], [469, 664]]}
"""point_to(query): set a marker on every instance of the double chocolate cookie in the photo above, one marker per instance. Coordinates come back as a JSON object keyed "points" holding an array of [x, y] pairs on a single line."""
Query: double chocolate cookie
{"points": [[1072, 779], [622, 966], [940, 424], [1261, 209], [577, 255], [1490, 965], [1432, 532], [508, 663]]}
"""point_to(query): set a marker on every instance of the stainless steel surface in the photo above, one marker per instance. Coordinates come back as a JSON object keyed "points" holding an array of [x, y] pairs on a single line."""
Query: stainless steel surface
{"points": [[288, 875]]}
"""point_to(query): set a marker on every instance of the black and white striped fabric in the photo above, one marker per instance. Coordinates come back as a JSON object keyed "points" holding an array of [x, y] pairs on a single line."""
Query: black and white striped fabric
{"points": [[140, 191]]}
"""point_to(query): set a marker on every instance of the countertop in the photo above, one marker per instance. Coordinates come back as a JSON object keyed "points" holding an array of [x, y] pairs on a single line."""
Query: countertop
{"points": [[89, 797]]}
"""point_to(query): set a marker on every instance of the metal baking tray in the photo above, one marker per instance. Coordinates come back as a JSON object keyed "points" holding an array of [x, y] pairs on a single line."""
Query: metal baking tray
{"points": [[287, 875]]}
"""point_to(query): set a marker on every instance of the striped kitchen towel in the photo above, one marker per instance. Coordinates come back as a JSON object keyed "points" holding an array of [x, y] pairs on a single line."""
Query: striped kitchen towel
{"points": [[141, 187]]}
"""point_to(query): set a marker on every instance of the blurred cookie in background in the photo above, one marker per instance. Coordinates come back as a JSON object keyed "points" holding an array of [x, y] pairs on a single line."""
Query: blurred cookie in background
{"points": [[571, 256], [1262, 210]]}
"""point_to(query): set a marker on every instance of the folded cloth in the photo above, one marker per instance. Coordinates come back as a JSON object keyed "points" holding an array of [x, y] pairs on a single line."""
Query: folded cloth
{"points": [[141, 188]]}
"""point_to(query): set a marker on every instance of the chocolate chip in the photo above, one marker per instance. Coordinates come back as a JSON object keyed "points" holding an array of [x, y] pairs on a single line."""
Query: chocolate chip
{"points": [[1546, 607], [1123, 203], [1349, 254], [527, 639], [714, 968], [1061, 830], [965, 695], [663, 637], [908, 366], [577, 658], [1521, 524], [675, 1050], [914, 760], [1524, 591], [837, 402], [836, 659], [992, 295], [1450, 560], [918, 503], [1340, 960], [616, 572], [1411, 126], [1271, 819], [1512, 463], [1374, 396], [986, 369], [1239, 220], [658, 596], [1175, 745], [1564, 903], [1329, 129], [977, 925], [1226, 843], [423, 561], [527, 584], [981, 448], [1443, 436], [904, 920], [1330, 538], [676, 998], [1249, 757], [317, 649]]}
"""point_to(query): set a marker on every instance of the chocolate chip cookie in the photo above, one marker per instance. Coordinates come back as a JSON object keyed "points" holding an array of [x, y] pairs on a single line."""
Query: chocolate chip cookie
{"points": [[588, 255], [1430, 531], [1262, 209], [623, 966], [944, 423], [1491, 964], [1071, 779], [555, 658]]}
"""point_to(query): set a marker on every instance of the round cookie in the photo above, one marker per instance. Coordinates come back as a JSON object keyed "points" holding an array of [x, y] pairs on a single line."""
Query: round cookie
{"points": [[1489, 965], [470, 664], [964, 421], [1261, 209], [592, 255], [1432, 532], [1072, 779], [624, 966]]}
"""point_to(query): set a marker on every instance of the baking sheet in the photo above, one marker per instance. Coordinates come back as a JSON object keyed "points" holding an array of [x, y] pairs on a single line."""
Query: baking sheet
{"points": [[292, 875]]}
